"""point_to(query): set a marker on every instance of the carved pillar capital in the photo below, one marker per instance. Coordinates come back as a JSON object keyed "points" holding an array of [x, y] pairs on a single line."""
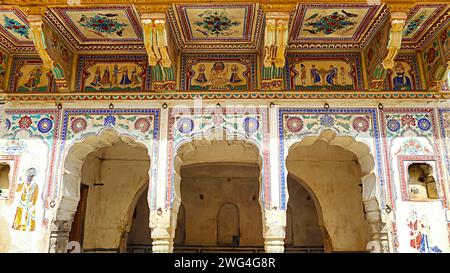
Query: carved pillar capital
{"points": [[274, 228]]}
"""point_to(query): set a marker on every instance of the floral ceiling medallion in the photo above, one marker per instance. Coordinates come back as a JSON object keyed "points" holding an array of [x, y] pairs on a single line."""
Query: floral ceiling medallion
{"points": [[330, 23], [16, 27], [102, 24], [216, 23]]}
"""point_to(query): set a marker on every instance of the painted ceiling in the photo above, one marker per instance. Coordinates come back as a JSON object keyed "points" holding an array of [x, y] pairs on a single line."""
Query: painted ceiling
{"points": [[422, 21], [333, 24], [89, 27], [14, 27], [216, 26]]}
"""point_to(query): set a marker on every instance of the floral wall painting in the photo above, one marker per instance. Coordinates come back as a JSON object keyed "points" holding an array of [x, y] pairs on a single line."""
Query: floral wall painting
{"points": [[13, 24], [324, 72], [97, 73], [29, 75], [230, 72], [332, 22], [405, 75], [92, 24], [25, 217]]}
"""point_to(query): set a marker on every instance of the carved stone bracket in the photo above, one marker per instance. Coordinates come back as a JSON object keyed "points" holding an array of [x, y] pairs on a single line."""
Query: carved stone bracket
{"points": [[163, 225], [37, 33], [398, 20]]}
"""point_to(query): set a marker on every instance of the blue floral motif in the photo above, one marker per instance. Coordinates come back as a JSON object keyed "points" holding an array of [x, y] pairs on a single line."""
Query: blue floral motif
{"points": [[17, 27], [424, 124], [393, 125], [185, 125], [45, 125], [103, 24], [251, 125], [110, 120], [327, 121], [7, 124]]}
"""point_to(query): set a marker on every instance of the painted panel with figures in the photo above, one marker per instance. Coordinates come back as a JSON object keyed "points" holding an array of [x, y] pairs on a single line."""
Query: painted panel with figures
{"points": [[29, 75], [340, 71], [405, 75], [218, 72], [113, 73]]}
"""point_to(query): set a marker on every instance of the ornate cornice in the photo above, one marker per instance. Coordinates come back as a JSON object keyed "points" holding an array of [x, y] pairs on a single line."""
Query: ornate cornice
{"points": [[252, 95]]}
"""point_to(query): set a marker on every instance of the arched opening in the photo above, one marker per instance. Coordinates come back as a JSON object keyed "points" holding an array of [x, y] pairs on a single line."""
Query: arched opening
{"points": [[4, 179], [106, 175], [139, 238], [303, 225], [337, 174], [219, 189]]}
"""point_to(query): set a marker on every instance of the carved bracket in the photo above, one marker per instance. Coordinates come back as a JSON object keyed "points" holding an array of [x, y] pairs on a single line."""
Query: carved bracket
{"points": [[398, 21], [37, 33]]}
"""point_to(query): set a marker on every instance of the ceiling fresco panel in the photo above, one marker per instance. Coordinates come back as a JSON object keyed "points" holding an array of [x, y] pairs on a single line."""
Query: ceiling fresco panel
{"points": [[216, 26], [91, 25], [331, 23], [14, 25]]}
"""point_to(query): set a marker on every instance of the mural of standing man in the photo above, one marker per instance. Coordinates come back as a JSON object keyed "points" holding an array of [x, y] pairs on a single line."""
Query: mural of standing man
{"points": [[401, 81], [25, 219]]}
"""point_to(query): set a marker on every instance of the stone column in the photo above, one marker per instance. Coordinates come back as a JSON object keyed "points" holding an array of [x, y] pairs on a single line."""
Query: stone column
{"points": [[378, 234], [274, 229], [163, 230], [59, 236]]}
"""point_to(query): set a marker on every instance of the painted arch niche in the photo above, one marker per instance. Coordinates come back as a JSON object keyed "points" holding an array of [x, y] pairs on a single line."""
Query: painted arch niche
{"points": [[337, 172], [104, 176]]}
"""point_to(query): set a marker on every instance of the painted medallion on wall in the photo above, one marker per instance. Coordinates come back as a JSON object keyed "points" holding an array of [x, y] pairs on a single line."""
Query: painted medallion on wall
{"points": [[29, 75], [223, 72], [324, 71], [113, 73], [331, 22], [405, 74]]}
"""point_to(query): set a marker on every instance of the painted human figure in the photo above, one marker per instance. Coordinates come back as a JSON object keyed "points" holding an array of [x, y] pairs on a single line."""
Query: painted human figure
{"points": [[343, 78], [106, 79], [25, 219], [125, 80], [115, 77], [315, 76], [419, 233], [34, 79], [332, 75], [134, 77], [303, 74], [401, 81], [234, 74], [97, 77], [218, 74], [201, 78]]}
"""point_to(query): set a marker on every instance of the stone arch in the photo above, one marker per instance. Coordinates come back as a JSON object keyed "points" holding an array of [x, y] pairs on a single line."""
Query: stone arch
{"points": [[366, 162], [72, 164], [163, 223], [195, 142]]}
